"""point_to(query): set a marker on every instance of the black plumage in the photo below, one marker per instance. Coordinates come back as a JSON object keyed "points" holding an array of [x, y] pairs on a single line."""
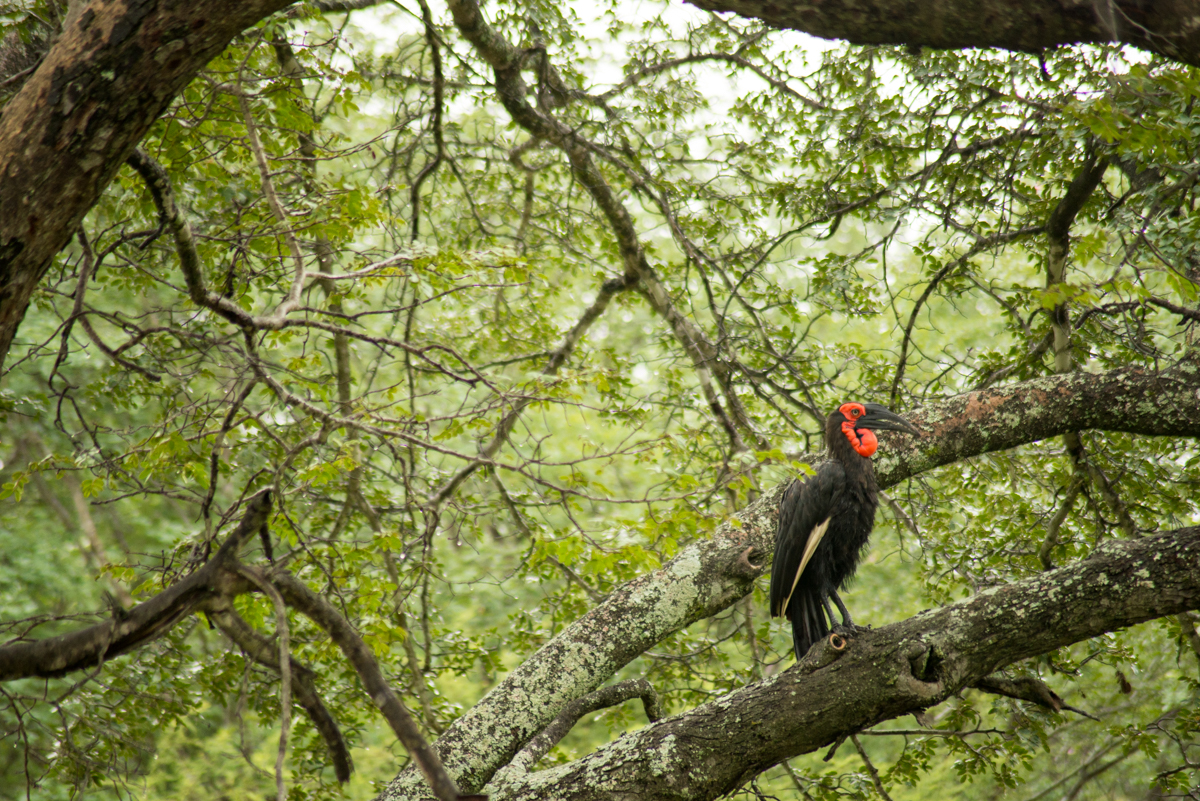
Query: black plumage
{"points": [[825, 523]]}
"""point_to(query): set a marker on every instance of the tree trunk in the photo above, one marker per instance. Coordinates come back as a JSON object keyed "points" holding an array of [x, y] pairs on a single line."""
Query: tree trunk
{"points": [[113, 71]]}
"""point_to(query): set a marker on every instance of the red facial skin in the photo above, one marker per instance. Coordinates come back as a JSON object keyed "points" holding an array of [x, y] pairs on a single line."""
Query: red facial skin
{"points": [[864, 441]]}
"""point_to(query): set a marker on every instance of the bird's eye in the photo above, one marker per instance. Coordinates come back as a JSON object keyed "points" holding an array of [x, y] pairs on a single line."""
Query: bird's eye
{"points": [[856, 412]]}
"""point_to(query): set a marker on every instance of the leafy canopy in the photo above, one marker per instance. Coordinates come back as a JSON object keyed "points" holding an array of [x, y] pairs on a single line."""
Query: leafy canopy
{"points": [[475, 428]]}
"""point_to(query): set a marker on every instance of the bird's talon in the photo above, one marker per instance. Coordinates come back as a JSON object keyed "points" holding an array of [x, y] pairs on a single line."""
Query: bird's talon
{"points": [[848, 633]]}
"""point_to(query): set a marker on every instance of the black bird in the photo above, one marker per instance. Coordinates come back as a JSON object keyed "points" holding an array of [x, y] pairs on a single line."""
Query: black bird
{"points": [[825, 522]]}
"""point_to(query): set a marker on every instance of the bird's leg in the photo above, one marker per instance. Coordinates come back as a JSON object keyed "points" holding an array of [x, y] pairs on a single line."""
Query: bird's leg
{"points": [[846, 621], [828, 611], [847, 629]]}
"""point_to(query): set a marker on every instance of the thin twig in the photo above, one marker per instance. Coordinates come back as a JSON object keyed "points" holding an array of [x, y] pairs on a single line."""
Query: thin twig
{"points": [[321, 612], [285, 672], [875, 780], [1056, 522], [261, 650], [439, 84], [292, 301]]}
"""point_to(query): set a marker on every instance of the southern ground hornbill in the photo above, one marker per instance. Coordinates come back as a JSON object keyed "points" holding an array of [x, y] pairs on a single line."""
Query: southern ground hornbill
{"points": [[825, 522]]}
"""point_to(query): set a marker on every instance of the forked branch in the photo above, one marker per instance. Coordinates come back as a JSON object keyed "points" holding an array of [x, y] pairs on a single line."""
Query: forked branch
{"points": [[94, 645]]}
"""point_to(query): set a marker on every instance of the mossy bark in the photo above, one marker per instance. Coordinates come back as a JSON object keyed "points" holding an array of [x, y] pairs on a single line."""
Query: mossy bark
{"points": [[711, 575]]}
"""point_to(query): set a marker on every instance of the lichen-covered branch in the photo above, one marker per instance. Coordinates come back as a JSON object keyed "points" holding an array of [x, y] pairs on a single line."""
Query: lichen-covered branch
{"points": [[712, 574], [885, 673], [600, 699]]}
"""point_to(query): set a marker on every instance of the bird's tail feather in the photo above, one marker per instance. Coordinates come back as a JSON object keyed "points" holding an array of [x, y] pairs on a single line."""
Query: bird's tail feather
{"points": [[808, 620]]}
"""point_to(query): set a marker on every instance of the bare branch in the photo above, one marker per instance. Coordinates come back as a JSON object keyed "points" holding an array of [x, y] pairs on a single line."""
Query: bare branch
{"points": [[78, 650], [262, 651], [292, 301], [939, 276], [1026, 688], [439, 87], [1064, 509], [321, 612], [285, 673], [875, 780]]}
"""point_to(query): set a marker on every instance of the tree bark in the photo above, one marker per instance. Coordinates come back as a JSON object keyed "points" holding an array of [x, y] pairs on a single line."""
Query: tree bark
{"points": [[1168, 27], [712, 574], [113, 71], [882, 674]]}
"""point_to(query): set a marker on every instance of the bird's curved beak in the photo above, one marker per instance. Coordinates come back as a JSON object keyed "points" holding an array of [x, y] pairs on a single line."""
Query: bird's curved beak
{"points": [[879, 418]]}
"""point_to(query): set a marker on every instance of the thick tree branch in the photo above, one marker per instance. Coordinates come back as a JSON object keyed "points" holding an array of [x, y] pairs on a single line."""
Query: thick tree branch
{"points": [[896, 670], [1134, 401], [77, 650], [709, 575], [1167, 27], [63, 136]]}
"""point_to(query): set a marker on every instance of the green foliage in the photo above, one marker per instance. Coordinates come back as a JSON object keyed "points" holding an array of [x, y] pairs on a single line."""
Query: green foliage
{"points": [[837, 222]]}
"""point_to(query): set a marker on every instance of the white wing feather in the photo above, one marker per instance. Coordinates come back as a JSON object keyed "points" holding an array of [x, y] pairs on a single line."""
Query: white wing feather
{"points": [[810, 547]]}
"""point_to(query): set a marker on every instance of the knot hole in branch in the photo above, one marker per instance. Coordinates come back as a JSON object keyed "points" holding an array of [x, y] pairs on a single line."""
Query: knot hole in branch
{"points": [[924, 676], [743, 567], [925, 663]]}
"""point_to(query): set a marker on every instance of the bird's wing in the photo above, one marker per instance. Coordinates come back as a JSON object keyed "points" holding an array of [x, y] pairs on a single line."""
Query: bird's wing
{"points": [[814, 539], [804, 515]]}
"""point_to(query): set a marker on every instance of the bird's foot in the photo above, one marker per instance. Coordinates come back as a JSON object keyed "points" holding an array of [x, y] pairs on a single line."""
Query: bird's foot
{"points": [[851, 631]]}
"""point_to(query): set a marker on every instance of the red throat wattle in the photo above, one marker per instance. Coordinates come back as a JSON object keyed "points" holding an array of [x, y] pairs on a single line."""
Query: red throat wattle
{"points": [[864, 442]]}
